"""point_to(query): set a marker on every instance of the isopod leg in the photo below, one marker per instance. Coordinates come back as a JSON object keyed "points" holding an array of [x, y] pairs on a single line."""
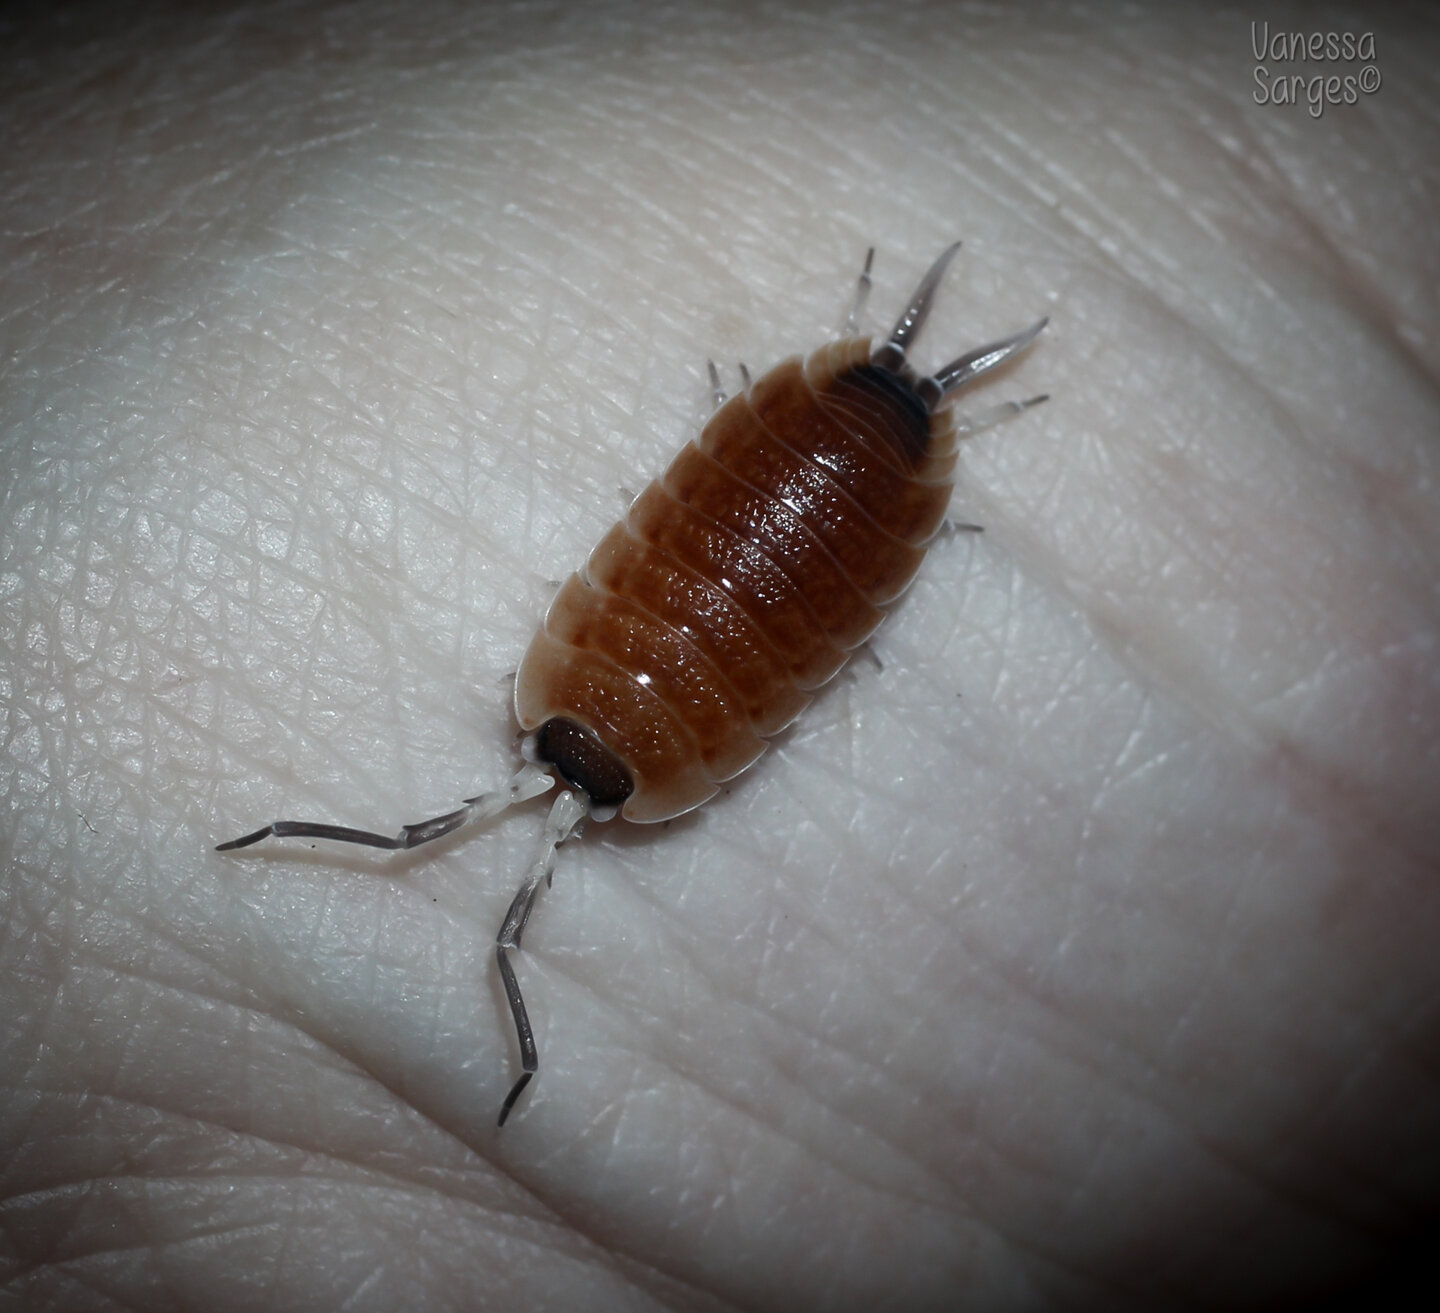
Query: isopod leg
{"points": [[968, 424], [565, 817], [717, 392], [862, 295], [527, 783], [983, 419]]}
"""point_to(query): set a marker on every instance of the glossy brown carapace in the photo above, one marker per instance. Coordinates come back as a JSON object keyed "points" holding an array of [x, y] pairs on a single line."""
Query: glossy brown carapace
{"points": [[744, 576]]}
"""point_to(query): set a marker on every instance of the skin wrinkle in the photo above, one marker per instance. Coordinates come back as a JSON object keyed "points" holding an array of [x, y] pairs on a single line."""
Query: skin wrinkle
{"points": [[349, 1062], [1112, 1041], [1394, 1197], [1273, 1181], [680, 1070], [810, 1150], [1363, 292], [602, 1243], [386, 1182], [1230, 718], [764, 292], [677, 1063]]}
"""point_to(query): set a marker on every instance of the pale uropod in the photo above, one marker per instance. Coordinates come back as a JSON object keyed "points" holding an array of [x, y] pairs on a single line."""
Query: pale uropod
{"points": [[737, 584]]}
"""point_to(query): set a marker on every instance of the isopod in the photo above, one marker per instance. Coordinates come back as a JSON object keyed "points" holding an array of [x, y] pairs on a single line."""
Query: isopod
{"points": [[737, 584]]}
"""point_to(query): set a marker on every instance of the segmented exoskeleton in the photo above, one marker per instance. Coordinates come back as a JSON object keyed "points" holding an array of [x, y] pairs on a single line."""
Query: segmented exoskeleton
{"points": [[737, 584]]}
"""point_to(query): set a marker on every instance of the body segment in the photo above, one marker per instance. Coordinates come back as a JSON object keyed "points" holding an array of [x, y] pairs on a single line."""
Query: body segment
{"points": [[796, 516]]}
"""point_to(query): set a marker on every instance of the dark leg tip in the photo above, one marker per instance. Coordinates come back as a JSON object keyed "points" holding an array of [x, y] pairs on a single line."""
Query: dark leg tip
{"points": [[515, 1092], [245, 841]]}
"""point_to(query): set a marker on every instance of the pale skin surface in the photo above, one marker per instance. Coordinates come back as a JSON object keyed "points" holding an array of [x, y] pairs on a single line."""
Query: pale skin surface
{"points": [[1078, 953]]}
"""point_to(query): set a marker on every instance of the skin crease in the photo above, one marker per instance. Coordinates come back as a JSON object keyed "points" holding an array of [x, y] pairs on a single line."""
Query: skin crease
{"points": [[1077, 951]]}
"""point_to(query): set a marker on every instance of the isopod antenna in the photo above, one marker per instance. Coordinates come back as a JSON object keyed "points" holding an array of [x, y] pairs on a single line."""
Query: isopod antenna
{"points": [[567, 815], [528, 782]]}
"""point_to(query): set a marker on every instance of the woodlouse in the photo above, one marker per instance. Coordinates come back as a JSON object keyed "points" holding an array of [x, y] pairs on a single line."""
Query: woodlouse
{"points": [[737, 584]]}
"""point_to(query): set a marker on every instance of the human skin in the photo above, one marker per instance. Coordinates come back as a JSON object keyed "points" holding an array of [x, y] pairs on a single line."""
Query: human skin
{"points": [[1076, 949]]}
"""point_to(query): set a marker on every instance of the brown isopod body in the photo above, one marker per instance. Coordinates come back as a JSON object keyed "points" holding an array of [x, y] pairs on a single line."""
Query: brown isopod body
{"points": [[738, 583]]}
